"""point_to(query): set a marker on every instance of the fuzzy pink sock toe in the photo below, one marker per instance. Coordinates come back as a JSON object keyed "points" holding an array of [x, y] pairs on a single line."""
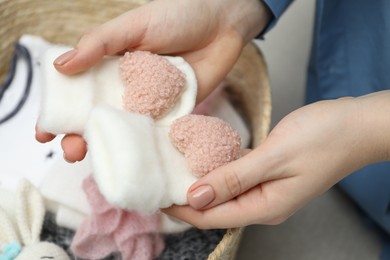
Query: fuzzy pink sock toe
{"points": [[152, 83], [207, 142]]}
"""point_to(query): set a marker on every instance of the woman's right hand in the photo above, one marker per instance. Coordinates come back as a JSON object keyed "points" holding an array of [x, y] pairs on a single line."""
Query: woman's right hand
{"points": [[209, 35]]}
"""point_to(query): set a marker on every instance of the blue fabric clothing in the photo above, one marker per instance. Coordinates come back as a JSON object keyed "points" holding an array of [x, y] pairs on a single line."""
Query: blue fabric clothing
{"points": [[277, 8], [350, 56], [351, 49]]}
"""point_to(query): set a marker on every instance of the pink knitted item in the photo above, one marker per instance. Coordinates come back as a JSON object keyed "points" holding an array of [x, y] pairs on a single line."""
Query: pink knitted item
{"points": [[152, 83], [207, 142], [110, 229]]}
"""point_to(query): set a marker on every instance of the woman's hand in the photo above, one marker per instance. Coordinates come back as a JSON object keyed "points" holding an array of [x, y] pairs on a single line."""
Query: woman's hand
{"points": [[208, 34], [307, 152]]}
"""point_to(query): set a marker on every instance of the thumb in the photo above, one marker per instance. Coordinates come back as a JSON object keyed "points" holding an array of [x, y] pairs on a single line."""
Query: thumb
{"points": [[230, 180]]}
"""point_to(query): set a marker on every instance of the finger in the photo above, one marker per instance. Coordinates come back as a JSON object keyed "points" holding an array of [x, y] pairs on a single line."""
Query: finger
{"points": [[209, 219], [249, 208], [233, 179], [212, 63], [74, 148], [114, 36], [268, 203], [245, 151], [43, 137]]}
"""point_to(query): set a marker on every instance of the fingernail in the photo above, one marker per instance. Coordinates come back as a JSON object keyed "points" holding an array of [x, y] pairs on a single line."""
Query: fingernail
{"points": [[64, 58], [201, 196]]}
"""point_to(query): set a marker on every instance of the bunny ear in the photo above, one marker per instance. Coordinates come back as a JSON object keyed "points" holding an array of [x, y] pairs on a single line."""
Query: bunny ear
{"points": [[7, 229], [30, 211]]}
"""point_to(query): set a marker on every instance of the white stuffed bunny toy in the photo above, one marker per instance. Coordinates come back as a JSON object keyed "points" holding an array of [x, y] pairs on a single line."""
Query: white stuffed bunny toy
{"points": [[22, 241]]}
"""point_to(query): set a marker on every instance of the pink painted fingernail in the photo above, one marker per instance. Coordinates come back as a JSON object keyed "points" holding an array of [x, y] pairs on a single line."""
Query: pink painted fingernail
{"points": [[64, 58], [201, 196]]}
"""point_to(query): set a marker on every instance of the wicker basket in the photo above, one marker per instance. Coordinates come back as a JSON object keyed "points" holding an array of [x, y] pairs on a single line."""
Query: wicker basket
{"points": [[65, 21]]}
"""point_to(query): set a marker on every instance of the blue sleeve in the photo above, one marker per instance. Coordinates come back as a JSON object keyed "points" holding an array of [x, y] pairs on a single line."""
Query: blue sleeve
{"points": [[277, 8]]}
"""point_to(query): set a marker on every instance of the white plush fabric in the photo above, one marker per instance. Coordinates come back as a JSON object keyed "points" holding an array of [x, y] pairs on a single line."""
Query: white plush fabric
{"points": [[129, 152], [68, 100], [135, 165]]}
